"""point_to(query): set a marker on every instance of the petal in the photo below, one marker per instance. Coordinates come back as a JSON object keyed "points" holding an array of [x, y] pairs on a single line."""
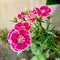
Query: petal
{"points": [[21, 46], [9, 35], [27, 25], [18, 47], [14, 36], [21, 15], [18, 25], [38, 11], [23, 31], [47, 11]]}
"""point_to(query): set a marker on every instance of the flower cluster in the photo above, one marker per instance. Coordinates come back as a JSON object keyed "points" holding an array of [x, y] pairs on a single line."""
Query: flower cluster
{"points": [[43, 11], [19, 37]]}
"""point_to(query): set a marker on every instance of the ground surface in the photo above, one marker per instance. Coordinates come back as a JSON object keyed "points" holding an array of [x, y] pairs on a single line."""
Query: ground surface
{"points": [[7, 54]]}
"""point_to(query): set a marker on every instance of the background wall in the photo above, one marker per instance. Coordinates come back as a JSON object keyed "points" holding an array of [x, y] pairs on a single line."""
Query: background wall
{"points": [[56, 18], [10, 8]]}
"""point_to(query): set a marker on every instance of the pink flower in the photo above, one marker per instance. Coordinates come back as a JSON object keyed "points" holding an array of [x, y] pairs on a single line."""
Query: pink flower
{"points": [[22, 25], [30, 19], [19, 40], [21, 15], [45, 11], [32, 13], [37, 10]]}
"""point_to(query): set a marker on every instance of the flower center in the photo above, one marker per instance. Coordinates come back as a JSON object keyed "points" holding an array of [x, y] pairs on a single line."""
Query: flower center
{"points": [[23, 27], [21, 39], [43, 11]]}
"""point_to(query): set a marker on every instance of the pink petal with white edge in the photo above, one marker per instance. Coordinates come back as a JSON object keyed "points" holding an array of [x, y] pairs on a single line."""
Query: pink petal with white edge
{"points": [[22, 25], [18, 45], [45, 11]]}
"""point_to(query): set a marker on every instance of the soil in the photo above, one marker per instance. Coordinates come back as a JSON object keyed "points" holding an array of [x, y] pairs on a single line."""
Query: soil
{"points": [[7, 54]]}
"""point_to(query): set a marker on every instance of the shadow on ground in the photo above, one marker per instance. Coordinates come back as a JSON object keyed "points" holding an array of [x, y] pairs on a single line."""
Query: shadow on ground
{"points": [[7, 54]]}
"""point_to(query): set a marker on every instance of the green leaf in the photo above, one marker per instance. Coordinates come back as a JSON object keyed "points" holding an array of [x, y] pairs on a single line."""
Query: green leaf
{"points": [[51, 33], [38, 57], [28, 49], [33, 48], [46, 54], [52, 28], [14, 20], [37, 52], [51, 2], [47, 23], [3, 35], [41, 57], [26, 12], [19, 53], [35, 58], [57, 59], [41, 47], [32, 34]]}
